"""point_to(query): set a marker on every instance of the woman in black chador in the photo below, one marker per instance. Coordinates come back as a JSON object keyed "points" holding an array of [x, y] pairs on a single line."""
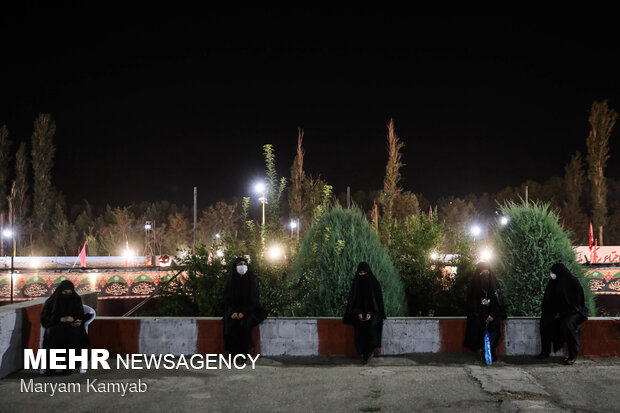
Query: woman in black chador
{"points": [[485, 307], [365, 311], [563, 311], [242, 309], [63, 319]]}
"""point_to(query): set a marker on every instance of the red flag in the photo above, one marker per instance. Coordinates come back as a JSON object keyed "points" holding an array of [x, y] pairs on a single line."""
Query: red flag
{"points": [[591, 237], [430, 213], [83, 255], [594, 258]]}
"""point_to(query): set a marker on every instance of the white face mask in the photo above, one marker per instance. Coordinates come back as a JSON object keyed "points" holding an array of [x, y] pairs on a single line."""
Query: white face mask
{"points": [[242, 269], [553, 276]]}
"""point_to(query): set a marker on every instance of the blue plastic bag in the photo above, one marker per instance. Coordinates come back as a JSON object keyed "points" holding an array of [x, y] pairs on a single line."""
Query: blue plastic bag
{"points": [[488, 358]]}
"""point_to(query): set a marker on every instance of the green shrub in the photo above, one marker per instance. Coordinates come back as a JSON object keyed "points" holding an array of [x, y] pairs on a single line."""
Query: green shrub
{"points": [[527, 247], [428, 290], [327, 261], [199, 289]]}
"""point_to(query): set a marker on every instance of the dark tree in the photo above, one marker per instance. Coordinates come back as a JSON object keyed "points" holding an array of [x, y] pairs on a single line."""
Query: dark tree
{"points": [[602, 119]]}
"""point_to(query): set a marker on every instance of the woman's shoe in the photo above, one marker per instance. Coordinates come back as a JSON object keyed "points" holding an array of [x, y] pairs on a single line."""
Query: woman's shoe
{"points": [[569, 361]]}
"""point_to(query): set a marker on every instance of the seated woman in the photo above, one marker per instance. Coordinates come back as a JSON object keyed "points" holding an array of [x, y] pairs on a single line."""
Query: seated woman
{"points": [[563, 311], [365, 310], [63, 318], [242, 310], [485, 310]]}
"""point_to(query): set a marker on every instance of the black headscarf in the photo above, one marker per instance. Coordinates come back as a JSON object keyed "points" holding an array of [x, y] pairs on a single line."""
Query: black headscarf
{"points": [[241, 291], [483, 284], [61, 305], [365, 295], [563, 295]]}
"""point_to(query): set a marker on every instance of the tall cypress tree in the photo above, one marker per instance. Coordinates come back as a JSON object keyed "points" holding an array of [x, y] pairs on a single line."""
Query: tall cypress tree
{"points": [[295, 199], [19, 190], [602, 119], [392, 177], [5, 159], [327, 260], [42, 161]]}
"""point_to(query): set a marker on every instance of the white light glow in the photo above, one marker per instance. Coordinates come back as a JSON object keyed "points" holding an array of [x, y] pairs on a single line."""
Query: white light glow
{"points": [[217, 236], [259, 188], [293, 224], [275, 252], [503, 221], [476, 230], [434, 255], [220, 253], [486, 255], [7, 233], [128, 254], [35, 263]]}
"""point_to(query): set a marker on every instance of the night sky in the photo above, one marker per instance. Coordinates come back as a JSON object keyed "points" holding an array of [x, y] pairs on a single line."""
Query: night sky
{"points": [[149, 105]]}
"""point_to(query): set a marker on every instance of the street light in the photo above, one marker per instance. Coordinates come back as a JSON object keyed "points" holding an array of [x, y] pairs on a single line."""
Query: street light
{"points": [[486, 255], [260, 189], [476, 230], [275, 252], [293, 226], [9, 233]]}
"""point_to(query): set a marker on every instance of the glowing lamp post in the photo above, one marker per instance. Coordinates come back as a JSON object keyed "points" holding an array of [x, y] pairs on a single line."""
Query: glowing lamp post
{"points": [[486, 255], [293, 226], [9, 233], [259, 188]]}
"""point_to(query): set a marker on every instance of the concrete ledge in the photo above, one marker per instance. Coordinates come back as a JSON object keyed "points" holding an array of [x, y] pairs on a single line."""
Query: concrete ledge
{"points": [[20, 328], [328, 336]]}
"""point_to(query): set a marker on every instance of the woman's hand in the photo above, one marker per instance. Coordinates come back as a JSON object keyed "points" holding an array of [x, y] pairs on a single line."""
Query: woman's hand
{"points": [[489, 319], [367, 316], [66, 319], [360, 316], [234, 316], [77, 323], [240, 315]]}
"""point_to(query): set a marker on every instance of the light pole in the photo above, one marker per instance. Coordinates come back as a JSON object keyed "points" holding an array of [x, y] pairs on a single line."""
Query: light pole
{"points": [[476, 231], [260, 188], [293, 226], [9, 233]]}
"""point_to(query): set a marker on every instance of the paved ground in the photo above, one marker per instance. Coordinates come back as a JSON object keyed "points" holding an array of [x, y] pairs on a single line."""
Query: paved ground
{"points": [[429, 383]]}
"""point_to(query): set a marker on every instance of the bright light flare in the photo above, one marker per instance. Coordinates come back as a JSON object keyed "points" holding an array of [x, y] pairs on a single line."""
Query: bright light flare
{"points": [[128, 254], [34, 263], [259, 188], [293, 224], [219, 253], [275, 252], [434, 255], [476, 230], [504, 221], [7, 233], [486, 255]]}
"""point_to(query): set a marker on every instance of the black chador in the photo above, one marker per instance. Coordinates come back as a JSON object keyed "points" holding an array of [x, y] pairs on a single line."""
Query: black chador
{"points": [[563, 311], [485, 308], [365, 310], [242, 309], [63, 319]]}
